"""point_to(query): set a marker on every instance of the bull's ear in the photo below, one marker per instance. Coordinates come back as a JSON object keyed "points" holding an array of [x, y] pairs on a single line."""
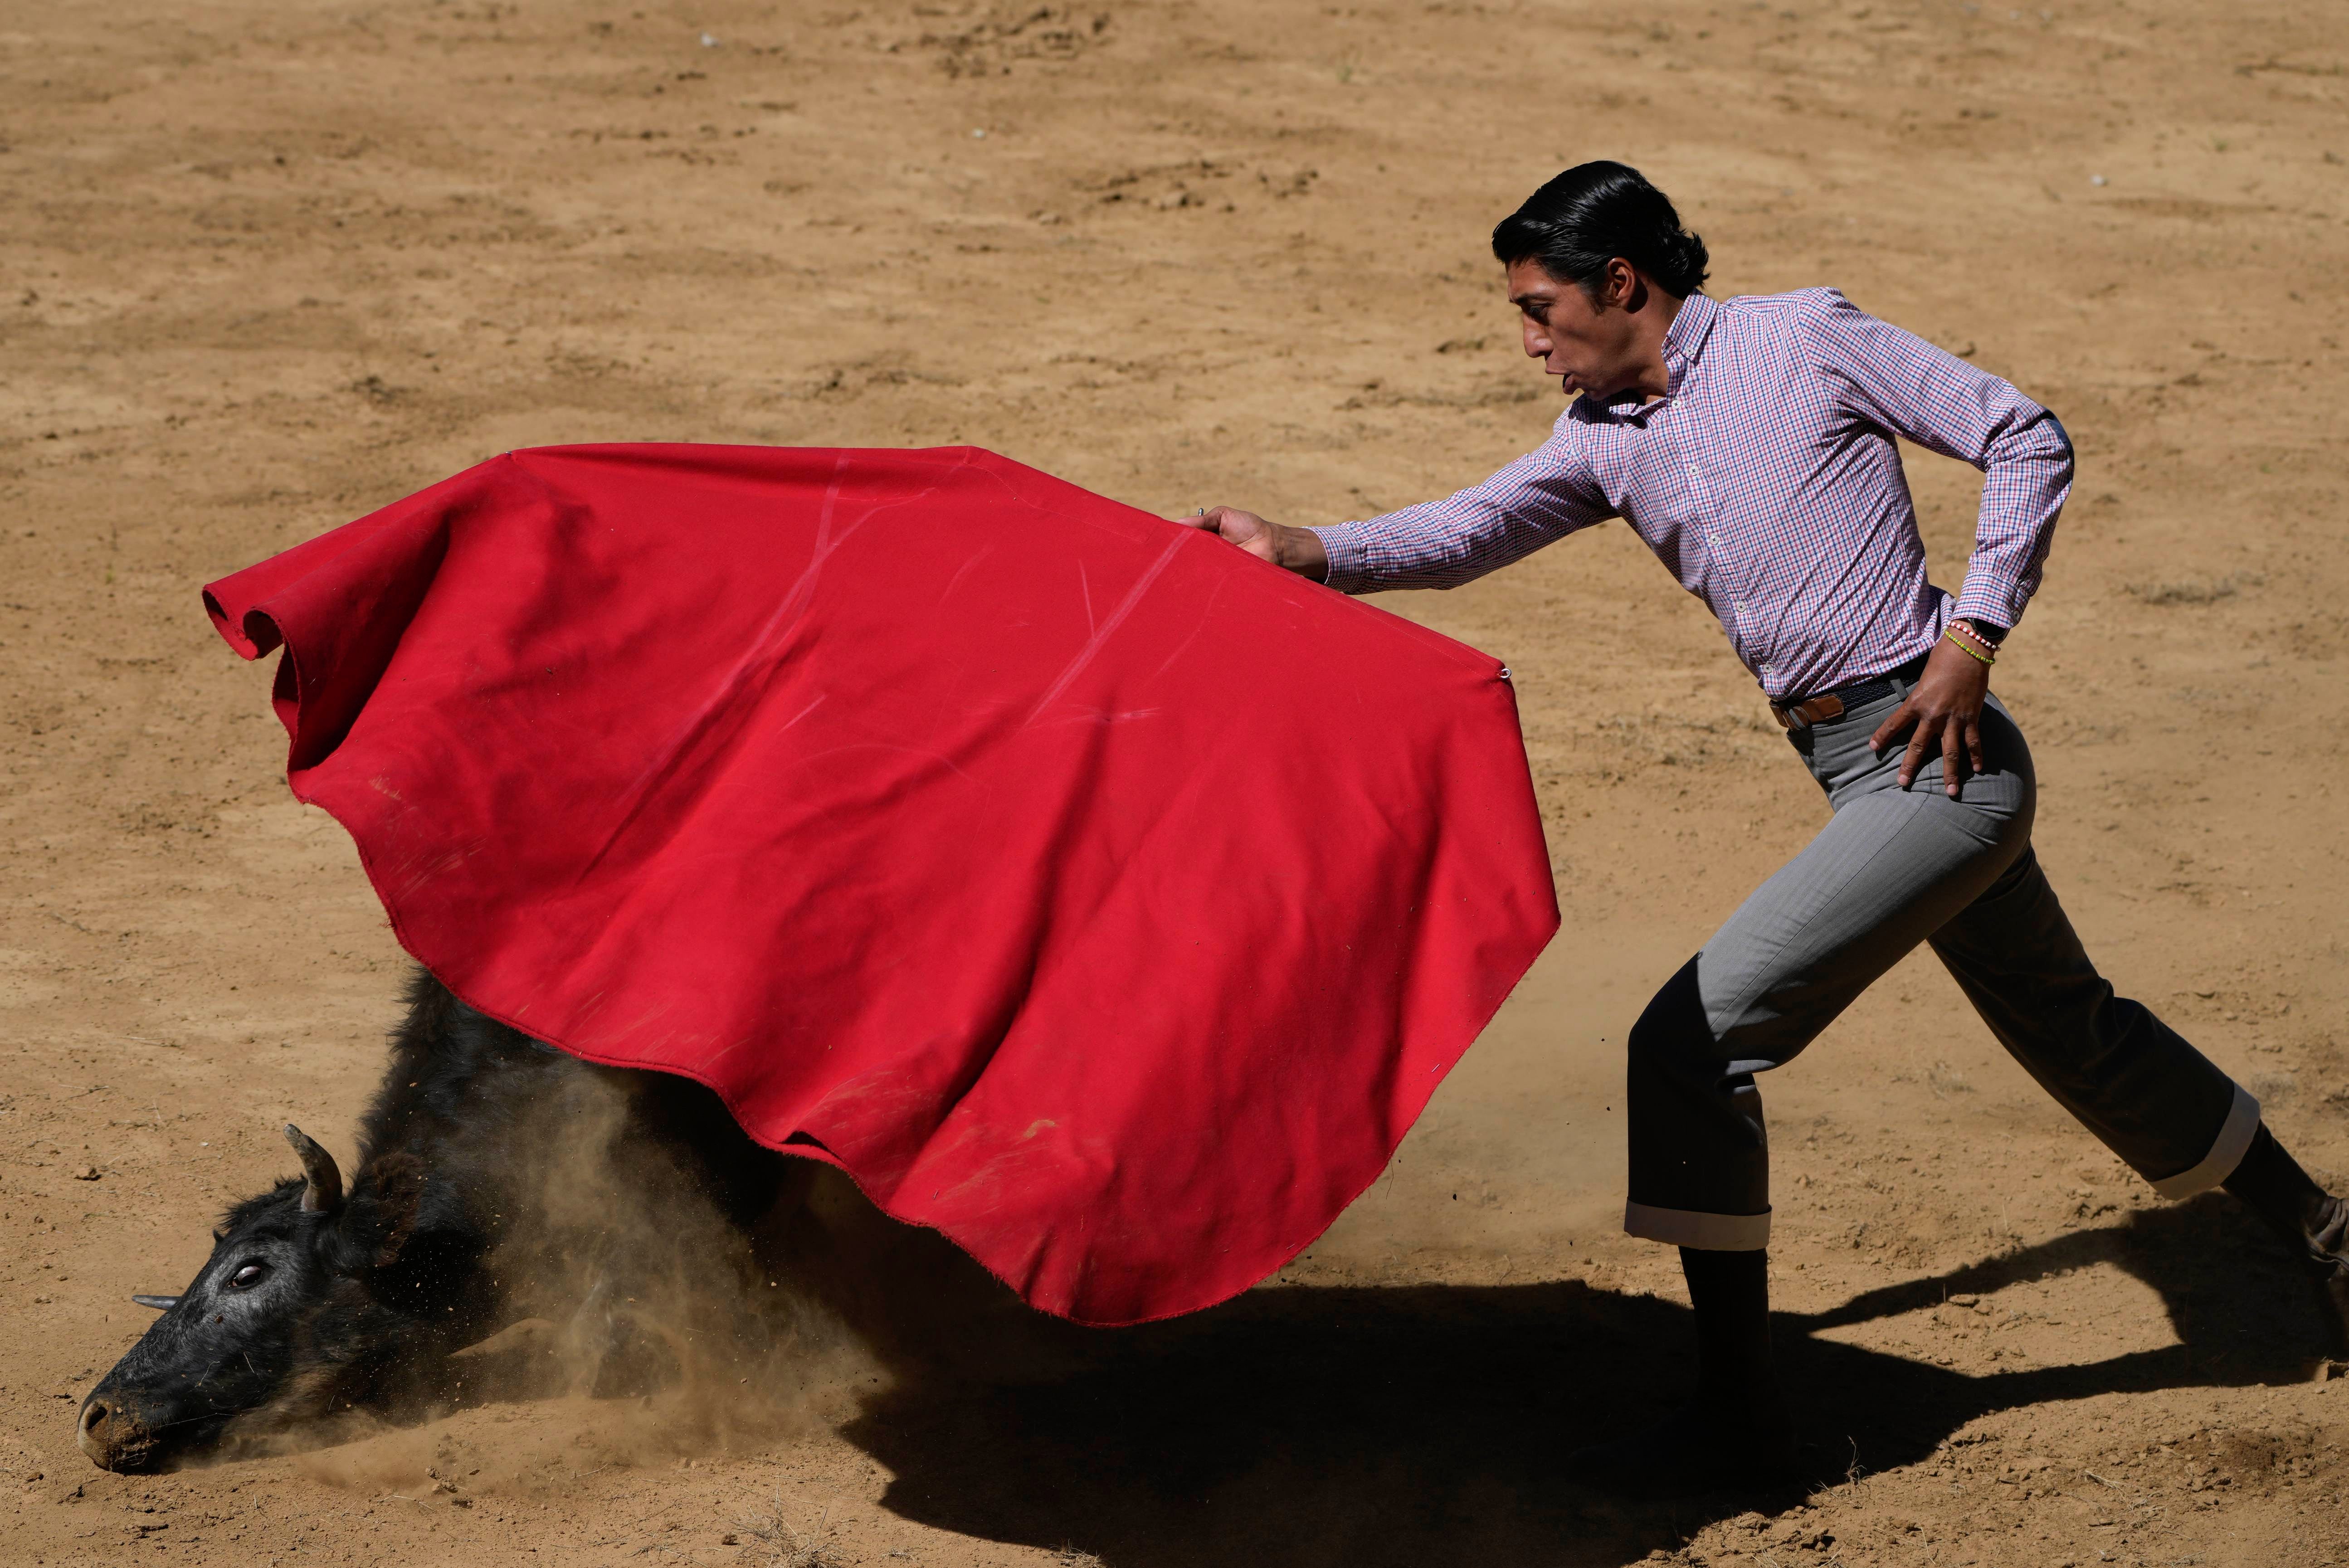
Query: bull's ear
{"points": [[322, 1191], [384, 1207]]}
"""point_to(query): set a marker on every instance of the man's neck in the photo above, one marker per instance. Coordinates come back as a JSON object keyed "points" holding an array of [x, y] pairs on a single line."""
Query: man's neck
{"points": [[1655, 317]]}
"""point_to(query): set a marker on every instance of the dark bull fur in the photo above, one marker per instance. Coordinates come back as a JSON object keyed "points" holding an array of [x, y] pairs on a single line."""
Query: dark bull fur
{"points": [[324, 1296]]}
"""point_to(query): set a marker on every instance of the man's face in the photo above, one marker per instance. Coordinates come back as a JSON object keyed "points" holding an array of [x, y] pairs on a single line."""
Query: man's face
{"points": [[1593, 344]]}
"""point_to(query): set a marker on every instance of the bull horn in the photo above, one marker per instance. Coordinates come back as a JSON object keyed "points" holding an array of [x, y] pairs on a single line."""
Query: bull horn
{"points": [[160, 1303], [528, 1333], [323, 1191]]}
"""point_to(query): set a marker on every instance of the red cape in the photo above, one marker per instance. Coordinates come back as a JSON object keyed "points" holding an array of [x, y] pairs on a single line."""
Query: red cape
{"points": [[1090, 891]]}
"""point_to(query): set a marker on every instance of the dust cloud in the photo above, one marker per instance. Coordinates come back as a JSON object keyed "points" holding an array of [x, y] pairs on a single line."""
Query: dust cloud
{"points": [[641, 1323]]}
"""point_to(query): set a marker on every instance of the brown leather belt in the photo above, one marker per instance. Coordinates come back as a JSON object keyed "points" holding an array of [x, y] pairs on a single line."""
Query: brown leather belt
{"points": [[1818, 709], [1802, 715]]}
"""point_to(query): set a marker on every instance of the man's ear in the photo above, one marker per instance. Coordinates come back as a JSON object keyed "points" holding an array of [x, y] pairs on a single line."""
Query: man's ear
{"points": [[1621, 287], [380, 1216]]}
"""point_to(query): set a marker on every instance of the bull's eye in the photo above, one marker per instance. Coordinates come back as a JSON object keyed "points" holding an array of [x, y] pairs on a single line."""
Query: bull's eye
{"points": [[248, 1276]]}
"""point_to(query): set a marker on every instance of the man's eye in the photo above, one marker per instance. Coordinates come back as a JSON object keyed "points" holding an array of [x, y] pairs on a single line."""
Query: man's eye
{"points": [[248, 1276]]}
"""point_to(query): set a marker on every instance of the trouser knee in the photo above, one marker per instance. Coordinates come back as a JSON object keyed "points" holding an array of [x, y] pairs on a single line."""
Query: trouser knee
{"points": [[1673, 1036]]}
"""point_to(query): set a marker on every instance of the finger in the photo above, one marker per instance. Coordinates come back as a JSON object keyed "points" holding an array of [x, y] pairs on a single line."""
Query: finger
{"points": [[1239, 525], [1231, 526], [1953, 756], [1194, 519], [1974, 744], [1891, 727], [1912, 761]]}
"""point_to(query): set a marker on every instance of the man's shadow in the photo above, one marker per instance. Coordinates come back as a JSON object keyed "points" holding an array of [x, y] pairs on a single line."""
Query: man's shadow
{"points": [[1309, 1427]]}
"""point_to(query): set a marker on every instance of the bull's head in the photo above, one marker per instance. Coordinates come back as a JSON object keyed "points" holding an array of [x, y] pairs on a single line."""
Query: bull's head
{"points": [[298, 1292]]}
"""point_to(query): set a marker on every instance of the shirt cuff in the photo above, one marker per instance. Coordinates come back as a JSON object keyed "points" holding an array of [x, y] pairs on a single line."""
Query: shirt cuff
{"points": [[1986, 599], [1350, 558]]}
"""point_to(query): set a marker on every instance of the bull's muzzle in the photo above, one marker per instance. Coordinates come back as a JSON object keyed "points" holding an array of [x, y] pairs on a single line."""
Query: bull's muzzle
{"points": [[113, 1434]]}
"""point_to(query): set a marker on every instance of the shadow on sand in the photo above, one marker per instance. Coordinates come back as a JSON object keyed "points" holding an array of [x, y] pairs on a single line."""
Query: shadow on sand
{"points": [[1315, 1427]]}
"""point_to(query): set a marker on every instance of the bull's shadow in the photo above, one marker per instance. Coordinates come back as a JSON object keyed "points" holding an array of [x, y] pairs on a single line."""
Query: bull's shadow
{"points": [[1304, 1427]]}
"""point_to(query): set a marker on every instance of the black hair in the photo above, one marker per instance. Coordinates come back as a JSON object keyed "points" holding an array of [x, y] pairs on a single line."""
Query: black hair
{"points": [[1594, 212]]}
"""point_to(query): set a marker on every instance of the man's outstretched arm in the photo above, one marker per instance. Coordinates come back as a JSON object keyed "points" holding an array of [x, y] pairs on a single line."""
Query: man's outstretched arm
{"points": [[1542, 497]]}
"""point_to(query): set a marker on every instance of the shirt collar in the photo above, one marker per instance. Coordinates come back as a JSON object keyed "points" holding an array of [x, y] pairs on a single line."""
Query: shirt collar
{"points": [[1684, 340]]}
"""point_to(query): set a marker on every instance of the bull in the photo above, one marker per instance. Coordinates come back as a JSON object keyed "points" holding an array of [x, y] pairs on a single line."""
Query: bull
{"points": [[471, 1214]]}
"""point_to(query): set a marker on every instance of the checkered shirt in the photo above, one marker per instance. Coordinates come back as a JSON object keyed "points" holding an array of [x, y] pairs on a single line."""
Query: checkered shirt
{"points": [[1767, 480]]}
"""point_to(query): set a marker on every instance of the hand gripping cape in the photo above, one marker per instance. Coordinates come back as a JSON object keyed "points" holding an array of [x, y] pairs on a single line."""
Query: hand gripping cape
{"points": [[1082, 887]]}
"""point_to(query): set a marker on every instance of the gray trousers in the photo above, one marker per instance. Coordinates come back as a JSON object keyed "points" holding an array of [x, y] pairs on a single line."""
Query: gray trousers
{"points": [[1893, 868]]}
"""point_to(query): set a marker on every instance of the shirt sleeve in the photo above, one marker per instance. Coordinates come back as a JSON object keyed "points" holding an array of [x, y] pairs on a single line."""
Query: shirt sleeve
{"points": [[1542, 497], [1898, 380]]}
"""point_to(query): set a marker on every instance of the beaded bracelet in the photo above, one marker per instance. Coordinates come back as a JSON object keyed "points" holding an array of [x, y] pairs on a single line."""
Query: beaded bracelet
{"points": [[1979, 640], [1966, 639]]}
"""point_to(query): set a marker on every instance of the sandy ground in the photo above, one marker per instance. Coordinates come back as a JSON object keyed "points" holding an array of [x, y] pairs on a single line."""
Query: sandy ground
{"points": [[268, 267]]}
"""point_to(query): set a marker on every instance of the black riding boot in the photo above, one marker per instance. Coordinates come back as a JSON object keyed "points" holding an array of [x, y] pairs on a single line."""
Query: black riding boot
{"points": [[2310, 1220], [1734, 1432]]}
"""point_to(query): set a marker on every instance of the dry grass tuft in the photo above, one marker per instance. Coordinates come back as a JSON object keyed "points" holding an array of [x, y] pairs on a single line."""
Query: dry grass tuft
{"points": [[785, 1545]]}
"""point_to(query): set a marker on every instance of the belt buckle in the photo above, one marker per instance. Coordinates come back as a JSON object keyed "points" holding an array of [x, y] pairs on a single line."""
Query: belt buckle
{"points": [[1802, 715]]}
